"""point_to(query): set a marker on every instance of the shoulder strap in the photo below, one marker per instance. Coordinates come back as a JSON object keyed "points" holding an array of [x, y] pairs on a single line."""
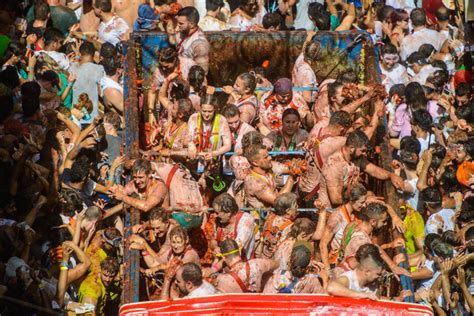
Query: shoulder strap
{"points": [[346, 213], [239, 281], [171, 175], [278, 142], [237, 221]]}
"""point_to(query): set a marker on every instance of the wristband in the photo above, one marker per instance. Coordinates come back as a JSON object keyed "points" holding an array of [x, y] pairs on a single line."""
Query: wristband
{"points": [[84, 37], [145, 253], [63, 268], [215, 267], [111, 178], [70, 84]]}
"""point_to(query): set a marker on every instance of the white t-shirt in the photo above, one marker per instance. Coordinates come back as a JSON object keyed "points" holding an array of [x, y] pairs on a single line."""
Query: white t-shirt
{"points": [[398, 74], [113, 30], [440, 222], [411, 43], [204, 290], [60, 58]]}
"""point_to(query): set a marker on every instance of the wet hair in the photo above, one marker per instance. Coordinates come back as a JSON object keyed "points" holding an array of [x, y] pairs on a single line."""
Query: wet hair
{"points": [[314, 8], [251, 138], [322, 19], [71, 201], [229, 245], [226, 202], [252, 151], [209, 99], [41, 10], [302, 225], [388, 48], [410, 159], [290, 111], [299, 261], [384, 12], [179, 231], [80, 169], [443, 250], [87, 48], [196, 78], [442, 14], [432, 196], [168, 55], [191, 272], [348, 76], [431, 240], [213, 5], [372, 211], [108, 50], [357, 139], [423, 119], [439, 64], [398, 89], [110, 265], [466, 113], [110, 66], [185, 107], [439, 152], [104, 5], [398, 15], [450, 238], [93, 213], [191, 14], [114, 119], [332, 88], [179, 89], [159, 214], [410, 144], [52, 35], [230, 111], [14, 48], [353, 193], [271, 20], [463, 89], [438, 79], [312, 51], [418, 17], [369, 251], [30, 92], [448, 180], [426, 50], [341, 118], [250, 81], [284, 202], [416, 58], [141, 165]]}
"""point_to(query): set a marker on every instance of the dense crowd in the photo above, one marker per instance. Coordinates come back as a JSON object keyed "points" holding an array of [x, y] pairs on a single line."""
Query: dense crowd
{"points": [[295, 206]]}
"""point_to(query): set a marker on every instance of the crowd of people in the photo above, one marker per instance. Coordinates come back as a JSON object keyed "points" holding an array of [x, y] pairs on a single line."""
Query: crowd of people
{"points": [[241, 191]]}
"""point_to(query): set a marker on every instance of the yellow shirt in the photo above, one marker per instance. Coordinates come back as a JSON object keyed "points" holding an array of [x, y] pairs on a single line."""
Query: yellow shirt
{"points": [[92, 287], [414, 228]]}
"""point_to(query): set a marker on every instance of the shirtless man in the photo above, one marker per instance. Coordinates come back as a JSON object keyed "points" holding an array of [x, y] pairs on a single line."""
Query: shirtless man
{"points": [[278, 224], [274, 102], [233, 224], [153, 236], [357, 283], [237, 128], [151, 192], [297, 277], [259, 185], [342, 168], [241, 277], [373, 217], [190, 41], [337, 223], [324, 141]]}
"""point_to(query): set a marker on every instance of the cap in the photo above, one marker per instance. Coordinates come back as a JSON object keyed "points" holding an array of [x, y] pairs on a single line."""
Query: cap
{"points": [[465, 172]]}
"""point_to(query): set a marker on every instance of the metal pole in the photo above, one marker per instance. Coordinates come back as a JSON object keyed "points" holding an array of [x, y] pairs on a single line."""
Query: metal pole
{"points": [[219, 89], [131, 257]]}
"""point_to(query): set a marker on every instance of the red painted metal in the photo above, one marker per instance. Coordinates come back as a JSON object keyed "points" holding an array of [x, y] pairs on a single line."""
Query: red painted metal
{"points": [[274, 304]]}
